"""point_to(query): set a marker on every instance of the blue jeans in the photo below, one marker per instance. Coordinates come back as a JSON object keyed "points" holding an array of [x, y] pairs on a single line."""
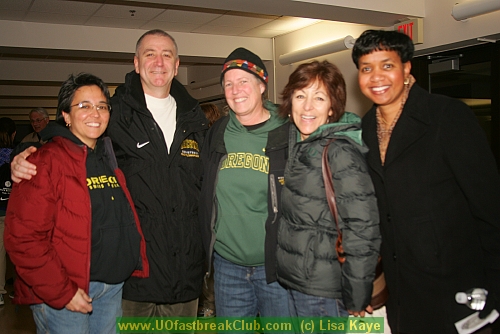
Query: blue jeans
{"points": [[304, 305], [106, 307], [243, 291]]}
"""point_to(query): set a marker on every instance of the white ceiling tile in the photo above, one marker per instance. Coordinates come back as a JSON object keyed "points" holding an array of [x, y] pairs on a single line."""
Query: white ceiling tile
{"points": [[262, 33], [186, 16], [141, 13], [289, 23], [55, 18], [15, 4], [13, 15], [169, 26], [115, 22], [239, 21], [220, 30], [64, 7]]}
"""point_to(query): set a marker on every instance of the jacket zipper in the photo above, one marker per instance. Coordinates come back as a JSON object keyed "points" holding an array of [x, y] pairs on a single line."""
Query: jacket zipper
{"points": [[274, 196], [212, 220], [90, 224]]}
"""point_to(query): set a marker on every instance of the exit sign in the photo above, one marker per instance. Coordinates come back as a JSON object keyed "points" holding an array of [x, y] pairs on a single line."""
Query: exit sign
{"points": [[413, 28]]}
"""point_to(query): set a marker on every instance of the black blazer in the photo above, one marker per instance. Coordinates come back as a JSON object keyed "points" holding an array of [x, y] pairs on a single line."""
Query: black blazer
{"points": [[439, 200]]}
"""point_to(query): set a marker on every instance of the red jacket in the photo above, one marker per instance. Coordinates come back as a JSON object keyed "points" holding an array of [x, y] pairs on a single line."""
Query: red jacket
{"points": [[48, 226]]}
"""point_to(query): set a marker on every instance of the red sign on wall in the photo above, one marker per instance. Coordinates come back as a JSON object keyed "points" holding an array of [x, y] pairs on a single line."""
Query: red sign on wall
{"points": [[413, 28]]}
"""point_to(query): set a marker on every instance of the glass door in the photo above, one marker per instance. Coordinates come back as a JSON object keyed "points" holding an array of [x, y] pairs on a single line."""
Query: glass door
{"points": [[471, 75]]}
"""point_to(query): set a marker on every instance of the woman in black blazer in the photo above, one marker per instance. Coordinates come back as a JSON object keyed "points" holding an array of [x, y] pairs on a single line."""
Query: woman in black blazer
{"points": [[438, 191]]}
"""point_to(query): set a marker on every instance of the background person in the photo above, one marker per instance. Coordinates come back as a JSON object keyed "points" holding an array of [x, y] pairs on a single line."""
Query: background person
{"points": [[212, 113], [315, 98], [157, 130], [72, 231], [244, 159], [437, 188], [7, 135], [39, 118]]}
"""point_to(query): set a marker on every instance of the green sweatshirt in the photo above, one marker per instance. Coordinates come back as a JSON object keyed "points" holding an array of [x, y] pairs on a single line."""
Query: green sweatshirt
{"points": [[242, 192]]}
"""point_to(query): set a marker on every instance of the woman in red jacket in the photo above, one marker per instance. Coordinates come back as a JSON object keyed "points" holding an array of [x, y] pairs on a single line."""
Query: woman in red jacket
{"points": [[72, 230]]}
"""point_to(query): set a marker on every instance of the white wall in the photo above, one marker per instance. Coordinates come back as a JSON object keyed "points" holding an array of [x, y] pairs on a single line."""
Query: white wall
{"points": [[74, 37], [62, 37], [440, 28], [319, 34], [441, 32]]}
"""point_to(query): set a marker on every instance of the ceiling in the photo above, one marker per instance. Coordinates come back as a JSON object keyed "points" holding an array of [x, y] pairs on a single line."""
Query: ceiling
{"points": [[258, 18], [139, 15]]}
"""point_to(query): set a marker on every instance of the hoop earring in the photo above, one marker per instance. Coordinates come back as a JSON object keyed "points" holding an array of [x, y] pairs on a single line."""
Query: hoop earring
{"points": [[407, 81]]}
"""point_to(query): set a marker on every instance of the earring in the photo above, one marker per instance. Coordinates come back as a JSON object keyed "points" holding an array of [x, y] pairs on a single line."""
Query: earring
{"points": [[68, 125], [407, 81]]}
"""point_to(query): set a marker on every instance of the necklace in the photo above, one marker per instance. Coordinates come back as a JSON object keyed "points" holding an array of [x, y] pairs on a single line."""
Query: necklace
{"points": [[384, 132], [383, 119]]}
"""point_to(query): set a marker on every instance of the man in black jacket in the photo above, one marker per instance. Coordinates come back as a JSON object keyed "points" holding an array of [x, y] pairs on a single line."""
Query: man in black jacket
{"points": [[158, 129]]}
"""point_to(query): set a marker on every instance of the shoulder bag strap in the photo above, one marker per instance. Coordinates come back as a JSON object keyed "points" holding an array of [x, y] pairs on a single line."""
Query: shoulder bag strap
{"points": [[332, 203]]}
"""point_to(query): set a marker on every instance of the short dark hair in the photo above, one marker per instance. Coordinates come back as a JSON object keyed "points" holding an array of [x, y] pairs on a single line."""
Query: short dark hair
{"points": [[156, 32], [7, 128], [326, 73], [383, 40], [70, 86]]}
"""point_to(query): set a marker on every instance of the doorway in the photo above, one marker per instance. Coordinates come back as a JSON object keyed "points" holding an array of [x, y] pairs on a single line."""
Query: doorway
{"points": [[471, 75]]}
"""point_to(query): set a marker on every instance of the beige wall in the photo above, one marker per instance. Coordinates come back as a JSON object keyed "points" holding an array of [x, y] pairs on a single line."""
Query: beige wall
{"points": [[440, 28], [441, 32], [62, 37], [319, 34]]}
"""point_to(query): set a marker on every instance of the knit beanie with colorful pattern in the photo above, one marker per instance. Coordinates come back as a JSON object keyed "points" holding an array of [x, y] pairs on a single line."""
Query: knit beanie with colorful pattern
{"points": [[245, 60]]}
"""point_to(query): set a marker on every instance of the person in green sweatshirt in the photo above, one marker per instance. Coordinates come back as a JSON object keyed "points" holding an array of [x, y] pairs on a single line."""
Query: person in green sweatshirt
{"points": [[244, 158]]}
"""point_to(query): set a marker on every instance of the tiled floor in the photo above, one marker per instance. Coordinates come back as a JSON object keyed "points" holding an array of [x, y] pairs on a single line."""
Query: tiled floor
{"points": [[15, 319]]}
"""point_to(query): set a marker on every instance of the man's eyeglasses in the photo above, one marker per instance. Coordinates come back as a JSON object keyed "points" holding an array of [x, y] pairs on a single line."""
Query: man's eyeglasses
{"points": [[37, 120], [87, 106]]}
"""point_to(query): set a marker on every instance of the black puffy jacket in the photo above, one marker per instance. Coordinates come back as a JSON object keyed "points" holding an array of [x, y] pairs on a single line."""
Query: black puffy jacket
{"points": [[165, 188], [307, 261]]}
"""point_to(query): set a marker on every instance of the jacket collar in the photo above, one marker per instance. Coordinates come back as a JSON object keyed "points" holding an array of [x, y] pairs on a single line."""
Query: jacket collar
{"points": [[215, 135], [133, 94], [411, 126], [277, 138]]}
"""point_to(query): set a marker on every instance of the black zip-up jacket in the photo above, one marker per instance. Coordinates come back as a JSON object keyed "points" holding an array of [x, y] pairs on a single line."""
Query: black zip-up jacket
{"points": [[213, 153], [165, 187]]}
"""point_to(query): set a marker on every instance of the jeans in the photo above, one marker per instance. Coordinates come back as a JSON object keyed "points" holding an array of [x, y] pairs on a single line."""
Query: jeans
{"points": [[106, 307], [304, 305], [243, 291]]}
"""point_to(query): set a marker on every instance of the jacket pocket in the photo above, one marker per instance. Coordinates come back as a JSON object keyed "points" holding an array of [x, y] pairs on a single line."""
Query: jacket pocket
{"points": [[309, 259]]}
